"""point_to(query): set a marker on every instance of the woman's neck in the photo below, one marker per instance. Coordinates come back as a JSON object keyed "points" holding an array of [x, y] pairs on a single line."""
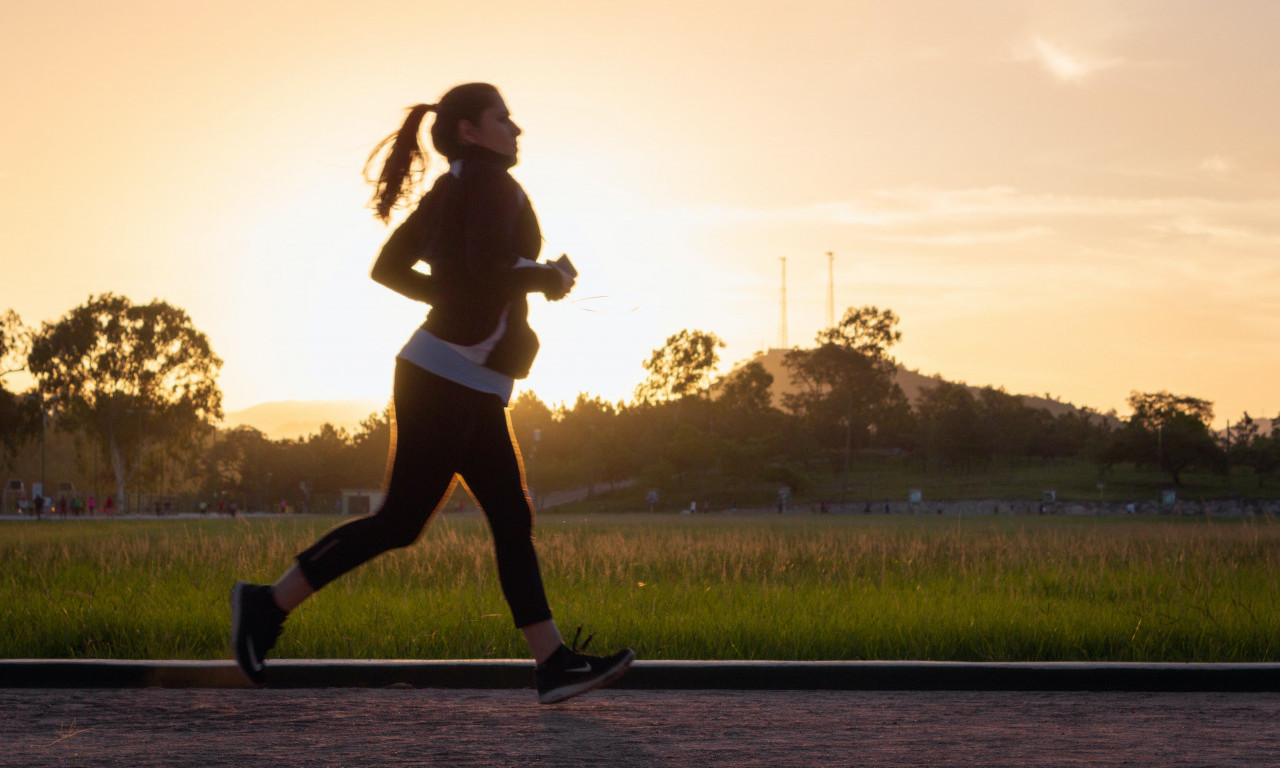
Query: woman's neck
{"points": [[477, 152]]}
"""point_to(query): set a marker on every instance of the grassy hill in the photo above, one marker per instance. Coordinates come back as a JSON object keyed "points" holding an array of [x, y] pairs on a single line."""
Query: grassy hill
{"points": [[913, 383]]}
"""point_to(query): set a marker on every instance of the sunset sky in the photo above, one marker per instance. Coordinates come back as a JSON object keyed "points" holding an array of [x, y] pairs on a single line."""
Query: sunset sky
{"points": [[1080, 198]]}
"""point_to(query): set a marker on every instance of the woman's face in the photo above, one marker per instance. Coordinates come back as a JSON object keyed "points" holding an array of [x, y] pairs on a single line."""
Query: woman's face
{"points": [[495, 131]]}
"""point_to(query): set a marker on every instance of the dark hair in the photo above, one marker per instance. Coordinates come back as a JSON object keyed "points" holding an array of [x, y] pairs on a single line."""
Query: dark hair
{"points": [[404, 156]]}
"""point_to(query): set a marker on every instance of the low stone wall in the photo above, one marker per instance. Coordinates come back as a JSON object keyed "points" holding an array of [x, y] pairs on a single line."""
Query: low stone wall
{"points": [[1212, 508]]}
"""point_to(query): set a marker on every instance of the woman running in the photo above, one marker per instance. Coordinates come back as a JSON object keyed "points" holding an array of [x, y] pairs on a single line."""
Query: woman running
{"points": [[478, 233]]}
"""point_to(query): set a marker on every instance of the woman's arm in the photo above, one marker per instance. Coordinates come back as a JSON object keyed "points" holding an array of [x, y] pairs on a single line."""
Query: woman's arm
{"points": [[394, 265], [497, 213]]}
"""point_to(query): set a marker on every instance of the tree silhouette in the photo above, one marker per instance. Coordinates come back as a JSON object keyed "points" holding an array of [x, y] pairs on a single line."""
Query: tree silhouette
{"points": [[19, 415], [681, 367], [869, 331], [846, 382], [951, 425], [746, 389], [1170, 431], [124, 373]]}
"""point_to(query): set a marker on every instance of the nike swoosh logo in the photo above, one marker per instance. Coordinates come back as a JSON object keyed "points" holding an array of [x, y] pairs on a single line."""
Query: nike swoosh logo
{"points": [[583, 668], [253, 657]]}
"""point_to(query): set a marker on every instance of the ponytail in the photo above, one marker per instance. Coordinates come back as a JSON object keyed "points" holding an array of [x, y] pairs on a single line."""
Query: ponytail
{"points": [[404, 156], [404, 160]]}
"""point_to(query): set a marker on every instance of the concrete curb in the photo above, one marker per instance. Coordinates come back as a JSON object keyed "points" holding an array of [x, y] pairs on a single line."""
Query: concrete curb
{"points": [[652, 675]]}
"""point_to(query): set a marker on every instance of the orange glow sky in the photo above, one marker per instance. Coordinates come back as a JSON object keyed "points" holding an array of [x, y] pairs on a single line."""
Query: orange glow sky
{"points": [[1080, 198]]}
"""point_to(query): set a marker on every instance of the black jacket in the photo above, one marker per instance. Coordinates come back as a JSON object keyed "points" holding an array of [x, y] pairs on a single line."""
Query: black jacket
{"points": [[471, 228]]}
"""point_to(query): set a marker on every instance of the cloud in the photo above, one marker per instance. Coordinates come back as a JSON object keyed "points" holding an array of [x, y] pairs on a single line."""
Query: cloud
{"points": [[966, 238], [1217, 164], [1066, 66], [1197, 228], [939, 217]]}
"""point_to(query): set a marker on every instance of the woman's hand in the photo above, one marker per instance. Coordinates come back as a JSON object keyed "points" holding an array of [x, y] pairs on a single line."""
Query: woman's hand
{"points": [[559, 286]]}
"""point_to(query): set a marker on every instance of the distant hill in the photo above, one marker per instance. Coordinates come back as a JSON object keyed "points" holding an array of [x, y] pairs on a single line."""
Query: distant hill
{"points": [[911, 382], [300, 418]]}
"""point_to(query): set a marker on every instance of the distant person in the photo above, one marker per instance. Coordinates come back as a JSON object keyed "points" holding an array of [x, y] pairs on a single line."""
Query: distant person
{"points": [[478, 233], [39, 505], [109, 508], [93, 505]]}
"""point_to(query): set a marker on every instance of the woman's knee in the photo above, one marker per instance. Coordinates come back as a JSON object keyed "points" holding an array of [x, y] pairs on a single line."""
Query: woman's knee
{"points": [[398, 529]]}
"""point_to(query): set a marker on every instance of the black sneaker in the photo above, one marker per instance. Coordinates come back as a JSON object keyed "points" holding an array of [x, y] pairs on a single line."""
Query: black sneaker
{"points": [[568, 673], [256, 622]]}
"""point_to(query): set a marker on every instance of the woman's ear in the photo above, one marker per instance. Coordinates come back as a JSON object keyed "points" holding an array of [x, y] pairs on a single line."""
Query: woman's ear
{"points": [[466, 132]]}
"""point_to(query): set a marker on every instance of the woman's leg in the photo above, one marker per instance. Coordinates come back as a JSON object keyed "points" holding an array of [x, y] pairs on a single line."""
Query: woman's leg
{"points": [[428, 431], [494, 472], [291, 589], [427, 435], [543, 638]]}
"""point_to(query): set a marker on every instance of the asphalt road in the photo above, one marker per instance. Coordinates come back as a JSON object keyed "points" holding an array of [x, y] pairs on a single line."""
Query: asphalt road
{"points": [[417, 726]]}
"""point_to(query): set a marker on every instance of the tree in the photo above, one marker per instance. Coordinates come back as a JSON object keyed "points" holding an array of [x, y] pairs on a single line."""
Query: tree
{"points": [[587, 444], [681, 367], [1151, 409], [869, 331], [19, 415], [126, 373], [15, 344], [951, 425], [370, 446], [1171, 431], [238, 464], [746, 389], [846, 382], [1248, 447], [530, 419]]}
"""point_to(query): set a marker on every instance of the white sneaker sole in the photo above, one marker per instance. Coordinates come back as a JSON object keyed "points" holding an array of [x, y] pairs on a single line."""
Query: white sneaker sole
{"points": [[236, 602], [577, 689]]}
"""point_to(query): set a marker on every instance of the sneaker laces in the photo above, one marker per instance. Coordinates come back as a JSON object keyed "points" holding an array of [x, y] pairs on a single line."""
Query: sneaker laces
{"points": [[574, 647]]}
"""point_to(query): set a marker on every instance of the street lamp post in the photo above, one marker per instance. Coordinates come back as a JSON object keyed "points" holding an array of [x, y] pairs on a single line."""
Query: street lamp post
{"points": [[44, 426], [138, 466], [44, 423]]}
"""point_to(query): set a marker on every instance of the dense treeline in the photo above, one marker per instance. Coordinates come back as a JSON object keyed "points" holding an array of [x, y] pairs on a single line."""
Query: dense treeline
{"points": [[135, 388]]}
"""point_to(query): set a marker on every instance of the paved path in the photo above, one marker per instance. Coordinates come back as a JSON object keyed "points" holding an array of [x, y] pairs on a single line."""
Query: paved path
{"points": [[399, 727]]}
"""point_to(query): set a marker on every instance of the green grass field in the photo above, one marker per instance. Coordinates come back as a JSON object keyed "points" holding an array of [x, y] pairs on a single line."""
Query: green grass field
{"points": [[889, 478], [673, 587]]}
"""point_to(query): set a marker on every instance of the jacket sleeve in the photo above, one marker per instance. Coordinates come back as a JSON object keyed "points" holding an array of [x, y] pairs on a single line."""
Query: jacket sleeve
{"points": [[492, 209], [394, 265]]}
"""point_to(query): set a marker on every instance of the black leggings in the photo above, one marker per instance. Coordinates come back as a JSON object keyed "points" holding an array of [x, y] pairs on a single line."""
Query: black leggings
{"points": [[442, 429]]}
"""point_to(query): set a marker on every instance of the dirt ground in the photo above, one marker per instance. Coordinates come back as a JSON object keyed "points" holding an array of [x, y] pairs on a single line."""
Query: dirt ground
{"points": [[358, 727]]}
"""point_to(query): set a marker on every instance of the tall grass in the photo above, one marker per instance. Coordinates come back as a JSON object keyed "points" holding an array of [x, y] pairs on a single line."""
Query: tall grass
{"points": [[796, 587]]}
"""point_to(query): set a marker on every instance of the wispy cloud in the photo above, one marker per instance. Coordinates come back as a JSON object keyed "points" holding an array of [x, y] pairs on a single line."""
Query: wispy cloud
{"points": [[923, 204], [1067, 66], [967, 238], [1217, 164], [930, 216], [1235, 235]]}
